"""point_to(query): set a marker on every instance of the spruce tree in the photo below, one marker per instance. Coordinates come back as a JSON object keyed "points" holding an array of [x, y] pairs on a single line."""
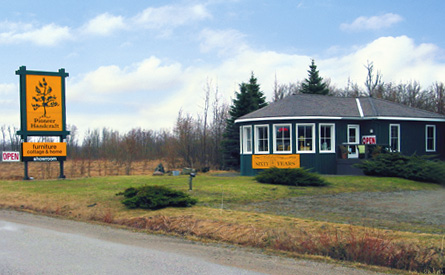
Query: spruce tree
{"points": [[314, 83], [248, 99]]}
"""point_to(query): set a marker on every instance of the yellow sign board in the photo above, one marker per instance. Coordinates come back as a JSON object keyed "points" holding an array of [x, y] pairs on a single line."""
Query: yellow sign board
{"points": [[44, 149], [44, 103], [278, 161]]}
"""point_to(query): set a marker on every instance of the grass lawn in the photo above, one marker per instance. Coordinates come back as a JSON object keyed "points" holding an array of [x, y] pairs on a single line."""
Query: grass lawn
{"points": [[94, 199], [210, 190]]}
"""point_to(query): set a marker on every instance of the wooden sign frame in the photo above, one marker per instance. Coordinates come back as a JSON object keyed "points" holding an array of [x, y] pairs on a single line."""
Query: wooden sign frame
{"points": [[42, 109]]}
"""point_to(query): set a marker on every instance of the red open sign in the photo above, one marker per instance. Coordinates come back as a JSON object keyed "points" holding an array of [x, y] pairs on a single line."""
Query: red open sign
{"points": [[369, 140], [11, 156]]}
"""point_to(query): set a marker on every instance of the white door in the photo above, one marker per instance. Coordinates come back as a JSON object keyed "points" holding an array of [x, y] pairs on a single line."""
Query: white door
{"points": [[353, 138]]}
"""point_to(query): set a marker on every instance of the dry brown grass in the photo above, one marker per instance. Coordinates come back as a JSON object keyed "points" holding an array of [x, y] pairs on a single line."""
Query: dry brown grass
{"points": [[368, 246], [340, 242], [76, 169]]}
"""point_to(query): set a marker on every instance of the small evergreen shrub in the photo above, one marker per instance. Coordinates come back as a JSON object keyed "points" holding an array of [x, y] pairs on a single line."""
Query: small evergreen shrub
{"points": [[292, 177], [155, 197], [408, 167]]}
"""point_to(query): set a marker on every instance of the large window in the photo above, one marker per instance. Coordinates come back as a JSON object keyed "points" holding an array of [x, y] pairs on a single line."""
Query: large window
{"points": [[430, 138], [305, 138], [261, 139], [282, 140], [246, 140], [394, 137], [327, 138]]}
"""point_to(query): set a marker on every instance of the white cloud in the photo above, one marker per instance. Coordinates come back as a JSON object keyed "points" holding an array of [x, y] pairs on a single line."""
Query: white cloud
{"points": [[164, 19], [399, 59], [372, 23], [9, 102], [147, 94], [150, 93], [8, 26], [48, 35], [104, 24], [171, 16], [8, 95], [224, 41], [7, 89], [149, 75]]}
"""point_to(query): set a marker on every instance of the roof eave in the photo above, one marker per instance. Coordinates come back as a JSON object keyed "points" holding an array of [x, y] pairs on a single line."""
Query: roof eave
{"points": [[241, 120]]}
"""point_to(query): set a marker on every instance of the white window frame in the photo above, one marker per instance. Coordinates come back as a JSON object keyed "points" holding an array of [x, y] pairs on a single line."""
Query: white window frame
{"points": [[357, 138], [320, 147], [313, 138], [241, 139], [353, 152], [275, 126], [398, 137], [245, 140], [433, 138], [257, 151]]}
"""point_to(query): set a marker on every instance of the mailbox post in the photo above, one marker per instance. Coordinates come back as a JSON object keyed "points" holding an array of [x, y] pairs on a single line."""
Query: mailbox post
{"points": [[192, 175]]}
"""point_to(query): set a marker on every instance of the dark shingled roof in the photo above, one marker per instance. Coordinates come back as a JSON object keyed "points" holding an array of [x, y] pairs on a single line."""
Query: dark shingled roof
{"points": [[304, 105]]}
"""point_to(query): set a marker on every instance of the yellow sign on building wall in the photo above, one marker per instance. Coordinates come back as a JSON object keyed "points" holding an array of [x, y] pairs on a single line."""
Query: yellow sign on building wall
{"points": [[278, 161], [44, 103]]}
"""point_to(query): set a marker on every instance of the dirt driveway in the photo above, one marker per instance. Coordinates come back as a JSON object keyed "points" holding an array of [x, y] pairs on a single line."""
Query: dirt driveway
{"points": [[418, 211]]}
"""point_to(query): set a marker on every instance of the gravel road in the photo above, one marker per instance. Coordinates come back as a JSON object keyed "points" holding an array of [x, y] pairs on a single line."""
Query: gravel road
{"points": [[419, 210], [17, 230]]}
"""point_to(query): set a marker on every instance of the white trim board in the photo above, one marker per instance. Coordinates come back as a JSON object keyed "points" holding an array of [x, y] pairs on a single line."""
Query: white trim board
{"points": [[338, 118]]}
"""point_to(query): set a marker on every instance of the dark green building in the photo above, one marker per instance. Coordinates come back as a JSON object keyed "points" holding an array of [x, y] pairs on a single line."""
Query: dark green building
{"points": [[328, 134]]}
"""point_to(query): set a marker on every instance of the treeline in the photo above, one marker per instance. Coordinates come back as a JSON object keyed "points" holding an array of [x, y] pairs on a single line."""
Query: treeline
{"points": [[9, 141], [410, 94], [197, 140], [431, 98], [193, 142]]}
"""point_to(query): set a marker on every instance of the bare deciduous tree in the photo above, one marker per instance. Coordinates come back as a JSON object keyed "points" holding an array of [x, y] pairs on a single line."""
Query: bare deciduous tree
{"points": [[438, 90], [373, 81], [186, 138]]}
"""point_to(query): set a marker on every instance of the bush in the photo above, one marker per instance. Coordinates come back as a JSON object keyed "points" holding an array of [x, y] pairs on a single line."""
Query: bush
{"points": [[155, 197], [408, 167], [293, 177]]}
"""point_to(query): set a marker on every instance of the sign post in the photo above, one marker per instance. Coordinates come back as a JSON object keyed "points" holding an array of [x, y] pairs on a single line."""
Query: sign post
{"points": [[42, 113]]}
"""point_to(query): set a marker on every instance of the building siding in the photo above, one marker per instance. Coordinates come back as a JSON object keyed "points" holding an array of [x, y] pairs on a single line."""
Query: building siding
{"points": [[412, 141]]}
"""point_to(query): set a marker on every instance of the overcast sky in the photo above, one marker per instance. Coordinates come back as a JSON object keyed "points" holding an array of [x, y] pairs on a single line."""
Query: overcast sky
{"points": [[137, 63]]}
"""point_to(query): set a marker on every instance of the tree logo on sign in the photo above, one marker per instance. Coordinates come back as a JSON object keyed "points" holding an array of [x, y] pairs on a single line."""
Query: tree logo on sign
{"points": [[43, 97]]}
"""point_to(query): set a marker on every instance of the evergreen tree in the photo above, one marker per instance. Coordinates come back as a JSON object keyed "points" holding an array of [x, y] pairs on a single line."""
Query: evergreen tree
{"points": [[248, 99], [314, 83]]}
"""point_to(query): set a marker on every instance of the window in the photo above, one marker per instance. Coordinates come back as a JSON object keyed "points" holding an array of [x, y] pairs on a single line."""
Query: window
{"points": [[305, 138], [282, 140], [327, 138], [394, 137], [261, 139], [246, 140], [431, 138]]}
